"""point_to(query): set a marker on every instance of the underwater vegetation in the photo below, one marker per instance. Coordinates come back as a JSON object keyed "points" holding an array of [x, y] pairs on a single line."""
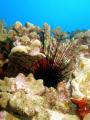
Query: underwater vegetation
{"points": [[41, 76]]}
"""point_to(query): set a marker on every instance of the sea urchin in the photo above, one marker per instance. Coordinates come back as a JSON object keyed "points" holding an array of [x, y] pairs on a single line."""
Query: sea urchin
{"points": [[54, 69]]}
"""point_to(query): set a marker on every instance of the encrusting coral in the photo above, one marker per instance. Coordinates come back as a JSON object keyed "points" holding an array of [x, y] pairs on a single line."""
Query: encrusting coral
{"points": [[20, 95]]}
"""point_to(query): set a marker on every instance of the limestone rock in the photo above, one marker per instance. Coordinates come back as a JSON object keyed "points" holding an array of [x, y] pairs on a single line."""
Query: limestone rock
{"points": [[80, 84]]}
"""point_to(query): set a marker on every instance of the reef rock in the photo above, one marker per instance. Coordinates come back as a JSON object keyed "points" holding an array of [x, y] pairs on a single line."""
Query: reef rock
{"points": [[17, 26], [77, 31], [4, 115], [3, 37], [19, 48], [46, 27], [36, 43], [87, 33], [9, 28], [3, 24], [38, 29], [27, 104], [57, 99], [54, 115], [11, 34], [72, 34], [79, 35], [4, 31], [84, 30], [33, 36], [83, 47], [81, 82], [4, 98], [25, 41], [27, 84], [36, 86], [58, 34], [29, 27], [1, 28]]}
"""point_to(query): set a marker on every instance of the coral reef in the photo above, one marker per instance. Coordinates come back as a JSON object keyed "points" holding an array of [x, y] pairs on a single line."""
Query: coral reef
{"points": [[2, 27], [44, 77], [80, 84], [9, 28], [29, 27], [80, 87], [73, 33], [3, 37], [58, 34], [79, 35], [11, 34], [6, 115], [1, 30], [20, 95], [3, 24], [33, 36]]}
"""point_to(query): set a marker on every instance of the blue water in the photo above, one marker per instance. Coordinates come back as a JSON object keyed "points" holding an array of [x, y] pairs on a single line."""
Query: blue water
{"points": [[68, 14]]}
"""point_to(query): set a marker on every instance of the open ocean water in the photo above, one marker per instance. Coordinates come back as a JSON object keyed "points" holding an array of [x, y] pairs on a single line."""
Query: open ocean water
{"points": [[68, 14]]}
